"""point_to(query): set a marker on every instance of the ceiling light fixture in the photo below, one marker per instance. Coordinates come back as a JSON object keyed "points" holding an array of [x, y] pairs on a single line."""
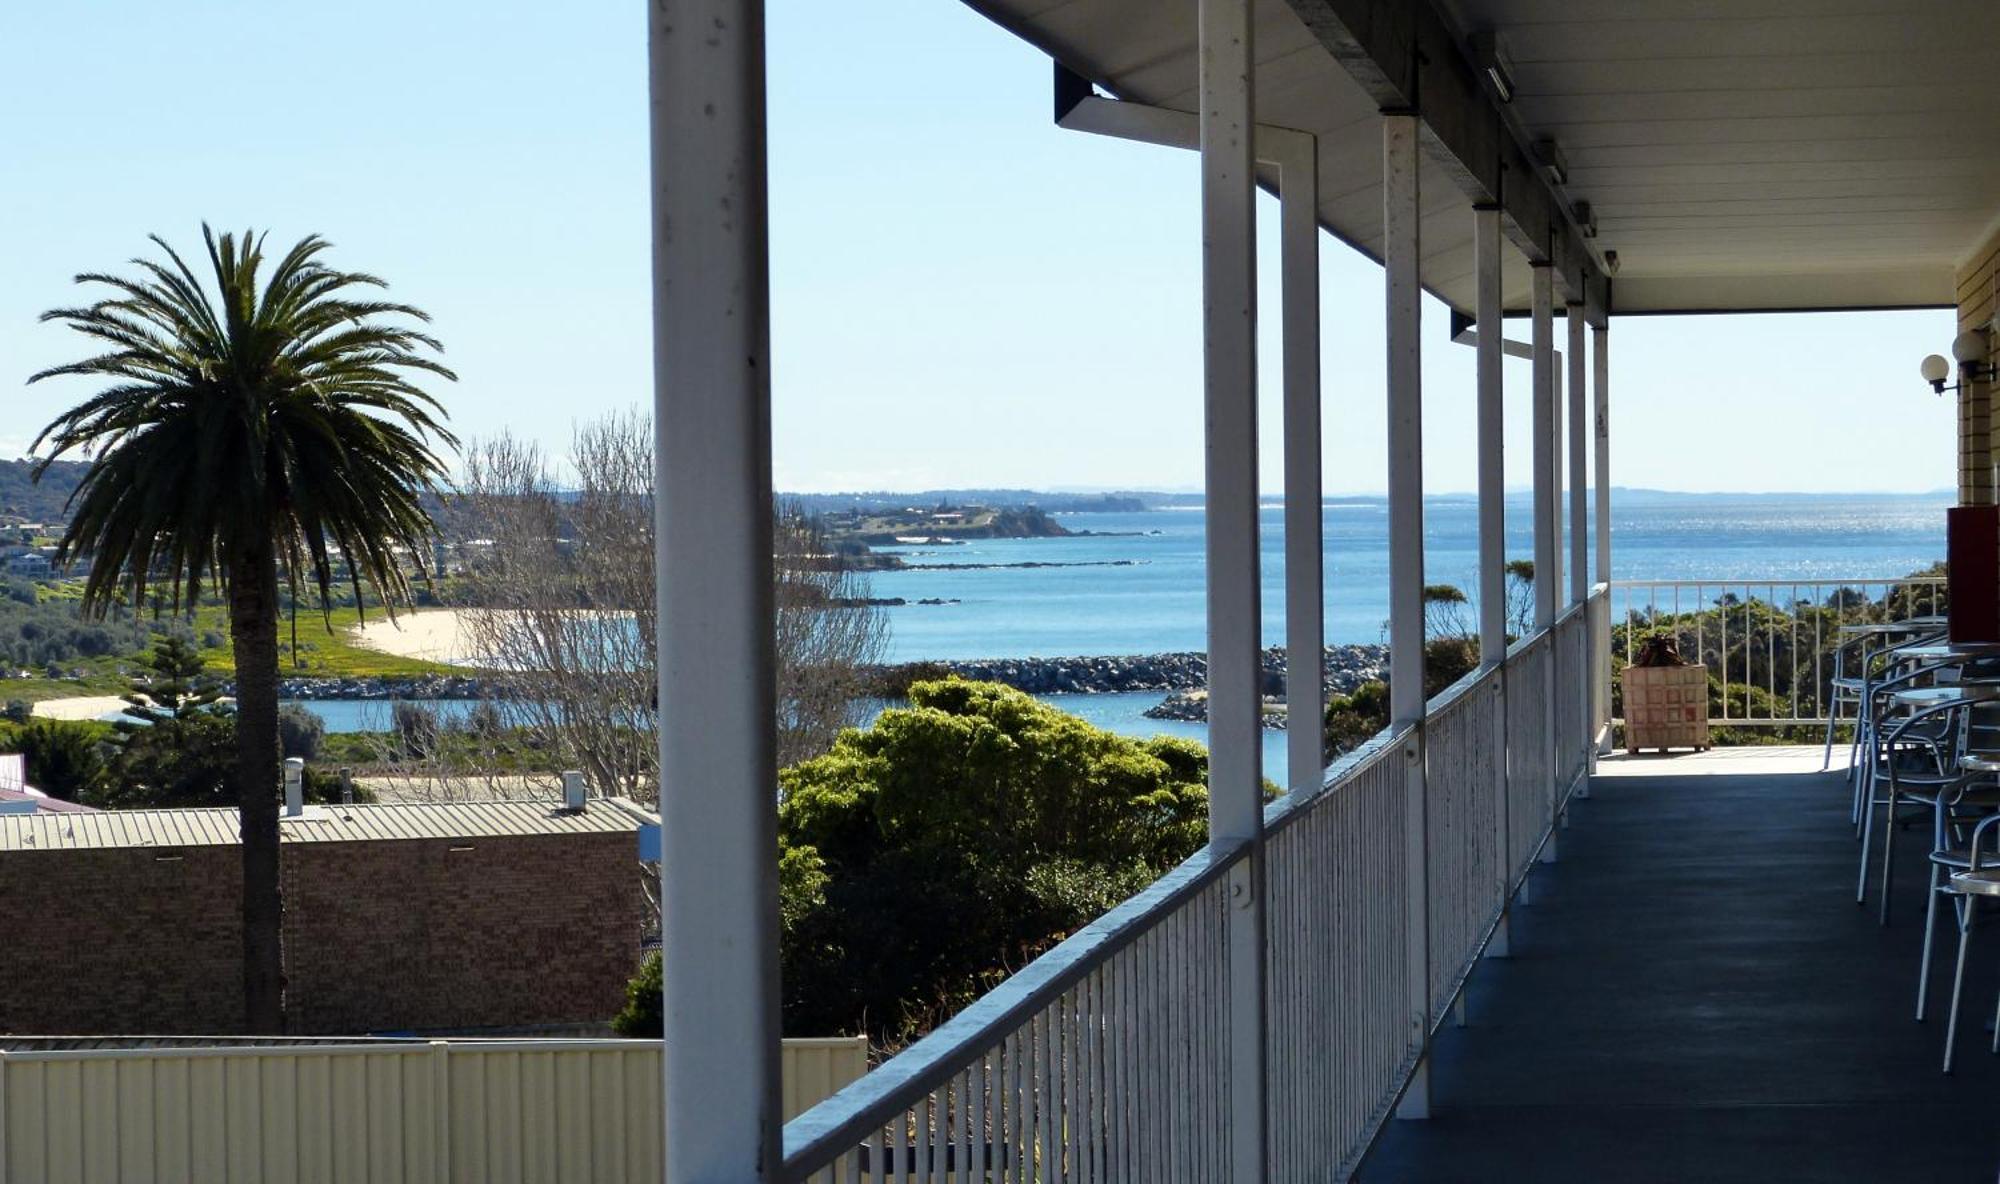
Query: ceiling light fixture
{"points": [[1493, 63]]}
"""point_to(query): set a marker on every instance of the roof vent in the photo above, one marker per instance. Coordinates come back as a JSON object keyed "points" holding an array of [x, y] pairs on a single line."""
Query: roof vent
{"points": [[575, 793], [295, 787]]}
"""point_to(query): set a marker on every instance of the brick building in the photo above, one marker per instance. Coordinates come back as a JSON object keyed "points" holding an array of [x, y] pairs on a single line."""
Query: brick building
{"points": [[434, 916]]}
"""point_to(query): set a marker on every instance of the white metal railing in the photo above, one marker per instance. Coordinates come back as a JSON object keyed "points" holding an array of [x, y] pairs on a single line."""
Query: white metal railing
{"points": [[1770, 643], [1107, 1058]]}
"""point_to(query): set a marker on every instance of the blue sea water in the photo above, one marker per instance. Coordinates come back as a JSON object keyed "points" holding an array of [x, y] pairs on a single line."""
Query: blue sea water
{"points": [[1152, 600], [1156, 603]]}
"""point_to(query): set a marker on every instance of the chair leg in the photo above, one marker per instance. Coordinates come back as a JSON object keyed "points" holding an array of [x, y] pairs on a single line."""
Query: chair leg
{"points": [[1867, 835], [1888, 845], [1958, 979], [1832, 717], [1930, 928]]}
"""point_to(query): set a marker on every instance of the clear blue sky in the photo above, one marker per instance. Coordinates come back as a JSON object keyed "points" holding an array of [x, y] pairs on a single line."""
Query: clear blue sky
{"points": [[963, 294]]}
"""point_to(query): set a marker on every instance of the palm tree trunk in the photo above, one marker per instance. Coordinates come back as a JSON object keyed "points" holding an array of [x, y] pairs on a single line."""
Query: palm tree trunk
{"points": [[253, 630]]}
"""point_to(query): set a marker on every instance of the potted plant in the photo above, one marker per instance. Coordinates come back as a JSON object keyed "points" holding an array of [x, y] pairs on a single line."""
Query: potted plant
{"points": [[1666, 697]]}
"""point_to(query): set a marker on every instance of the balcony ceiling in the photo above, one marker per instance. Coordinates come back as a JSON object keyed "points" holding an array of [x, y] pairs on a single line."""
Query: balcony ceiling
{"points": [[1738, 154]]}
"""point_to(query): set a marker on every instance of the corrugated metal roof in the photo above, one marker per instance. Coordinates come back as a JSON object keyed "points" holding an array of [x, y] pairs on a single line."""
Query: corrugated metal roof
{"points": [[321, 824]]}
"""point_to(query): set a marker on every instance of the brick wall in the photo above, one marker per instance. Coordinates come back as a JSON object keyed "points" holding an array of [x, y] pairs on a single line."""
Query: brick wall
{"points": [[379, 936]]}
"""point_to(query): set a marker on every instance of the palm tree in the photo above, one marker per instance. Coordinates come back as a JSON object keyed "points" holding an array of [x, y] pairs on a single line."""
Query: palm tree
{"points": [[245, 434]]}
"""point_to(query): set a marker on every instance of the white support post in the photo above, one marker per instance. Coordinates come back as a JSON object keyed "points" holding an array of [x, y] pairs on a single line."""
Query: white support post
{"points": [[1579, 475], [1548, 522], [1601, 365], [1579, 523], [1548, 509], [1305, 604], [1490, 407], [1401, 252], [718, 775], [1229, 380], [1601, 656]]}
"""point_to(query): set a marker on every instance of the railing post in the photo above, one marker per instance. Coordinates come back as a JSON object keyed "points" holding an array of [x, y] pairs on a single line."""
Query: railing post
{"points": [[1491, 419], [717, 686], [1400, 256], [1235, 666], [1548, 512]]}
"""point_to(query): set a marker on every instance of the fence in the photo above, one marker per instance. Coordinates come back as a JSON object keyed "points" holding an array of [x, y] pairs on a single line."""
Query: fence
{"points": [[371, 1112], [1769, 645], [1107, 1059]]}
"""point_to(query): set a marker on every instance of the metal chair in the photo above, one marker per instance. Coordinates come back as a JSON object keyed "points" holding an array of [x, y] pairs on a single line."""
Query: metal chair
{"points": [[1918, 749], [1956, 812], [1981, 881]]}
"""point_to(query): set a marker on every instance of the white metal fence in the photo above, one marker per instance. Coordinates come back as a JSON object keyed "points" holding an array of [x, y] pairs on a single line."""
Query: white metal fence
{"points": [[373, 1112], [1769, 643], [1108, 1058]]}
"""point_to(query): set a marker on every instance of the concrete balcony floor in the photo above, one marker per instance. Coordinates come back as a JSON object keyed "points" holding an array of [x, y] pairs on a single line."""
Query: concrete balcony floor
{"points": [[1694, 996]]}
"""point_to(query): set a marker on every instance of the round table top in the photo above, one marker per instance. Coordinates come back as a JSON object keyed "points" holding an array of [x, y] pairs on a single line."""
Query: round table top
{"points": [[1938, 696], [1932, 651], [1908, 625]]}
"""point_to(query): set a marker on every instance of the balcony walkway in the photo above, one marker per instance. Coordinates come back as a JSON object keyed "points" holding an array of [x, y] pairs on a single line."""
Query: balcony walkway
{"points": [[1694, 996]]}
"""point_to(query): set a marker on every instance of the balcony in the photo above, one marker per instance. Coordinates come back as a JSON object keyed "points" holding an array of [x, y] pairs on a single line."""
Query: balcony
{"points": [[1694, 996], [1659, 971]]}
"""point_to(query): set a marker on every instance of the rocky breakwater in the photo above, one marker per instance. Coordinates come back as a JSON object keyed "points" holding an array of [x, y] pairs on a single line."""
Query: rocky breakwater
{"points": [[1343, 669], [427, 686], [1182, 676]]}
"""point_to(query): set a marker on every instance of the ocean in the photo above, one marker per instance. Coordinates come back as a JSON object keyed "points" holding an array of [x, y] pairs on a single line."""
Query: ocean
{"points": [[1133, 584], [1152, 600]]}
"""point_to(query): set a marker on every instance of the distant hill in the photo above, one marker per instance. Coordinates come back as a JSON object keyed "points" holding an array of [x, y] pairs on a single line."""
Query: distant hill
{"points": [[880, 501], [24, 500]]}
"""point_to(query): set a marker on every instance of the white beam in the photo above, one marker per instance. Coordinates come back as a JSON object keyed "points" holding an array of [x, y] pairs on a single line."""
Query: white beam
{"points": [[718, 805], [1543, 427], [1601, 364], [1547, 428], [1601, 656], [1229, 381], [1490, 414], [1579, 452], [1305, 599], [1296, 154], [1401, 253]]}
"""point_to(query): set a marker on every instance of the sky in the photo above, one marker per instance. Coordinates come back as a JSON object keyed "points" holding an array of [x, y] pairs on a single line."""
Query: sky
{"points": [[962, 293]]}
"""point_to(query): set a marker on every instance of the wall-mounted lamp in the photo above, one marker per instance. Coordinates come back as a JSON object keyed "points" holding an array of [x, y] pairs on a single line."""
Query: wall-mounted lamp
{"points": [[1493, 63], [1549, 156], [1969, 350], [1585, 217]]}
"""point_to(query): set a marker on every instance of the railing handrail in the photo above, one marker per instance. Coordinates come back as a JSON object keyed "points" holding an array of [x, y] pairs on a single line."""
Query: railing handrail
{"points": [[888, 1090], [1782, 582]]}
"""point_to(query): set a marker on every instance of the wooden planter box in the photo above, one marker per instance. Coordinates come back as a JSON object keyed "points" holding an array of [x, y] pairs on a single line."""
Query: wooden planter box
{"points": [[1666, 707]]}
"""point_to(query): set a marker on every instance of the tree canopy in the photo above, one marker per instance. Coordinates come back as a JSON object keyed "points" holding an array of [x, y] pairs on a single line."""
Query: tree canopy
{"points": [[929, 855]]}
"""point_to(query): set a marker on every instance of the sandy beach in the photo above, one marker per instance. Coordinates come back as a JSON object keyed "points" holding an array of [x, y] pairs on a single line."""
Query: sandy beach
{"points": [[430, 635], [80, 707]]}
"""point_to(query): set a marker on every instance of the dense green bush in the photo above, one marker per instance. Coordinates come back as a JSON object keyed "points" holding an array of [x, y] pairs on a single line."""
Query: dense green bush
{"points": [[66, 759], [927, 856], [301, 731], [641, 1018]]}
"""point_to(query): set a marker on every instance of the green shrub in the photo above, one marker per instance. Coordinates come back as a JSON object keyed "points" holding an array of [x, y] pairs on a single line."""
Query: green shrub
{"points": [[301, 731], [641, 1015], [18, 711], [65, 758], [957, 838]]}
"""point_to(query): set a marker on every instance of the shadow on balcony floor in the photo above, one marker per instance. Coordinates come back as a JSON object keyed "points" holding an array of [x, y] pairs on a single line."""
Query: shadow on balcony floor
{"points": [[1694, 996]]}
